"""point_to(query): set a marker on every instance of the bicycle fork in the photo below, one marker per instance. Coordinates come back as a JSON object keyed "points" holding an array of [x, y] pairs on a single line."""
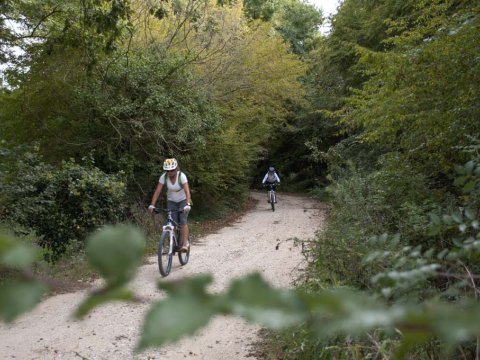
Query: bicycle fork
{"points": [[170, 230], [271, 196]]}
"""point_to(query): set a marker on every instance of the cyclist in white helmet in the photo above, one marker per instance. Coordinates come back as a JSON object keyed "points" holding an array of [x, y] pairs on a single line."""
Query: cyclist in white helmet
{"points": [[271, 178], [178, 196]]}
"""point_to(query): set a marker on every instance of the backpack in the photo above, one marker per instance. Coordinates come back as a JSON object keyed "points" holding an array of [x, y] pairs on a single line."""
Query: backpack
{"points": [[179, 176]]}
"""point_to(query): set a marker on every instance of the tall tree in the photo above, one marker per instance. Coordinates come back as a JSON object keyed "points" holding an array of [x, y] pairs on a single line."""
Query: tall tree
{"points": [[299, 24], [194, 80], [37, 28], [420, 98]]}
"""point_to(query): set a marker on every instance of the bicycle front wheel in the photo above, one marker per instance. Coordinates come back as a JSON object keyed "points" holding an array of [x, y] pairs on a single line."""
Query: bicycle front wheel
{"points": [[184, 256], [272, 200], [165, 254]]}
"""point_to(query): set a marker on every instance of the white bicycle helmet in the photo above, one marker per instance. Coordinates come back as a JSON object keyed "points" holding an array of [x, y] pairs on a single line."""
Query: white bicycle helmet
{"points": [[170, 164]]}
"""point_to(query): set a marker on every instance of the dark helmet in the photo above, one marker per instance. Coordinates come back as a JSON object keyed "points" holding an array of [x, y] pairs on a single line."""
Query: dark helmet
{"points": [[271, 169]]}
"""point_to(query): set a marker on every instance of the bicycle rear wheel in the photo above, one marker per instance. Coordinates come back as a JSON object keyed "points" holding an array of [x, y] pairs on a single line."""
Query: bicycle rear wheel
{"points": [[165, 256], [183, 256]]}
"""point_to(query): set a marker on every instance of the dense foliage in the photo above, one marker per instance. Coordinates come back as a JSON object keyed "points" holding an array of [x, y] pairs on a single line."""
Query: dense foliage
{"points": [[380, 117], [130, 84], [115, 252], [394, 88], [62, 205]]}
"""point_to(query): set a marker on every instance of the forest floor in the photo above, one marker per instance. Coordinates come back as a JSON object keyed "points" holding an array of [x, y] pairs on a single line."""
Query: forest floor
{"points": [[259, 241]]}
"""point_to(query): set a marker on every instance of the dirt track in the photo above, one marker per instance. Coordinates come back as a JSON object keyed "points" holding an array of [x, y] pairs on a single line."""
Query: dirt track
{"points": [[111, 331]]}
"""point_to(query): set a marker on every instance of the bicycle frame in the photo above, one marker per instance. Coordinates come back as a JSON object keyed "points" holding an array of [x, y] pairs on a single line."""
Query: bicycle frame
{"points": [[173, 242], [271, 194], [172, 229]]}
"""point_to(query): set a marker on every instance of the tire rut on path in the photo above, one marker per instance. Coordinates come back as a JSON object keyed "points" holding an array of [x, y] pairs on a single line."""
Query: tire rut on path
{"points": [[259, 241]]}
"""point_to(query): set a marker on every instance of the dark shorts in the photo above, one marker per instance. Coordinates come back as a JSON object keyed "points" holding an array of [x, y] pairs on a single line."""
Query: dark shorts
{"points": [[179, 218]]}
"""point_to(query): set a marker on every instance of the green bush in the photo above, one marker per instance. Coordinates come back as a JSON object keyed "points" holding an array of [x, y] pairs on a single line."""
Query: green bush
{"points": [[434, 254], [61, 204], [357, 211], [442, 322]]}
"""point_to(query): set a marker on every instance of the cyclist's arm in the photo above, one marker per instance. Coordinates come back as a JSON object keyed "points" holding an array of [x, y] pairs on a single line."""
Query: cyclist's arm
{"points": [[157, 193], [277, 178], [187, 192], [265, 178]]}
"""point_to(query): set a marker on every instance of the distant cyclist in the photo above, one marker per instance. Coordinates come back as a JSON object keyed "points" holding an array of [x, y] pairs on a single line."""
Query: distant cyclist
{"points": [[271, 178], [178, 196]]}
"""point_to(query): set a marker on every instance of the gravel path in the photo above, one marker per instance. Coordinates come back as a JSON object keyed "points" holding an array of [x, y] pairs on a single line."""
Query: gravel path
{"points": [[111, 332]]}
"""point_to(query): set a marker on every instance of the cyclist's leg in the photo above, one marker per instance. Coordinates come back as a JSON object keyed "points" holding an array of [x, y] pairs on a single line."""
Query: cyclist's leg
{"points": [[183, 223], [174, 207], [184, 235]]}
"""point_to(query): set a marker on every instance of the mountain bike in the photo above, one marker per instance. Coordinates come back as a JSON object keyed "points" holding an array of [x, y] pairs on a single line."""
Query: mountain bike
{"points": [[170, 243], [272, 197]]}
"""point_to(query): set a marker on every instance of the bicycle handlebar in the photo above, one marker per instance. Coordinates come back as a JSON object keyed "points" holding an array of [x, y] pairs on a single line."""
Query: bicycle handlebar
{"points": [[159, 210]]}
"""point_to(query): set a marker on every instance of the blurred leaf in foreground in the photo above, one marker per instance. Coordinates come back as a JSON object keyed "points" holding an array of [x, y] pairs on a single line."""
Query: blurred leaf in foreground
{"points": [[187, 309], [255, 300], [103, 296], [17, 297], [116, 252], [14, 254]]}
